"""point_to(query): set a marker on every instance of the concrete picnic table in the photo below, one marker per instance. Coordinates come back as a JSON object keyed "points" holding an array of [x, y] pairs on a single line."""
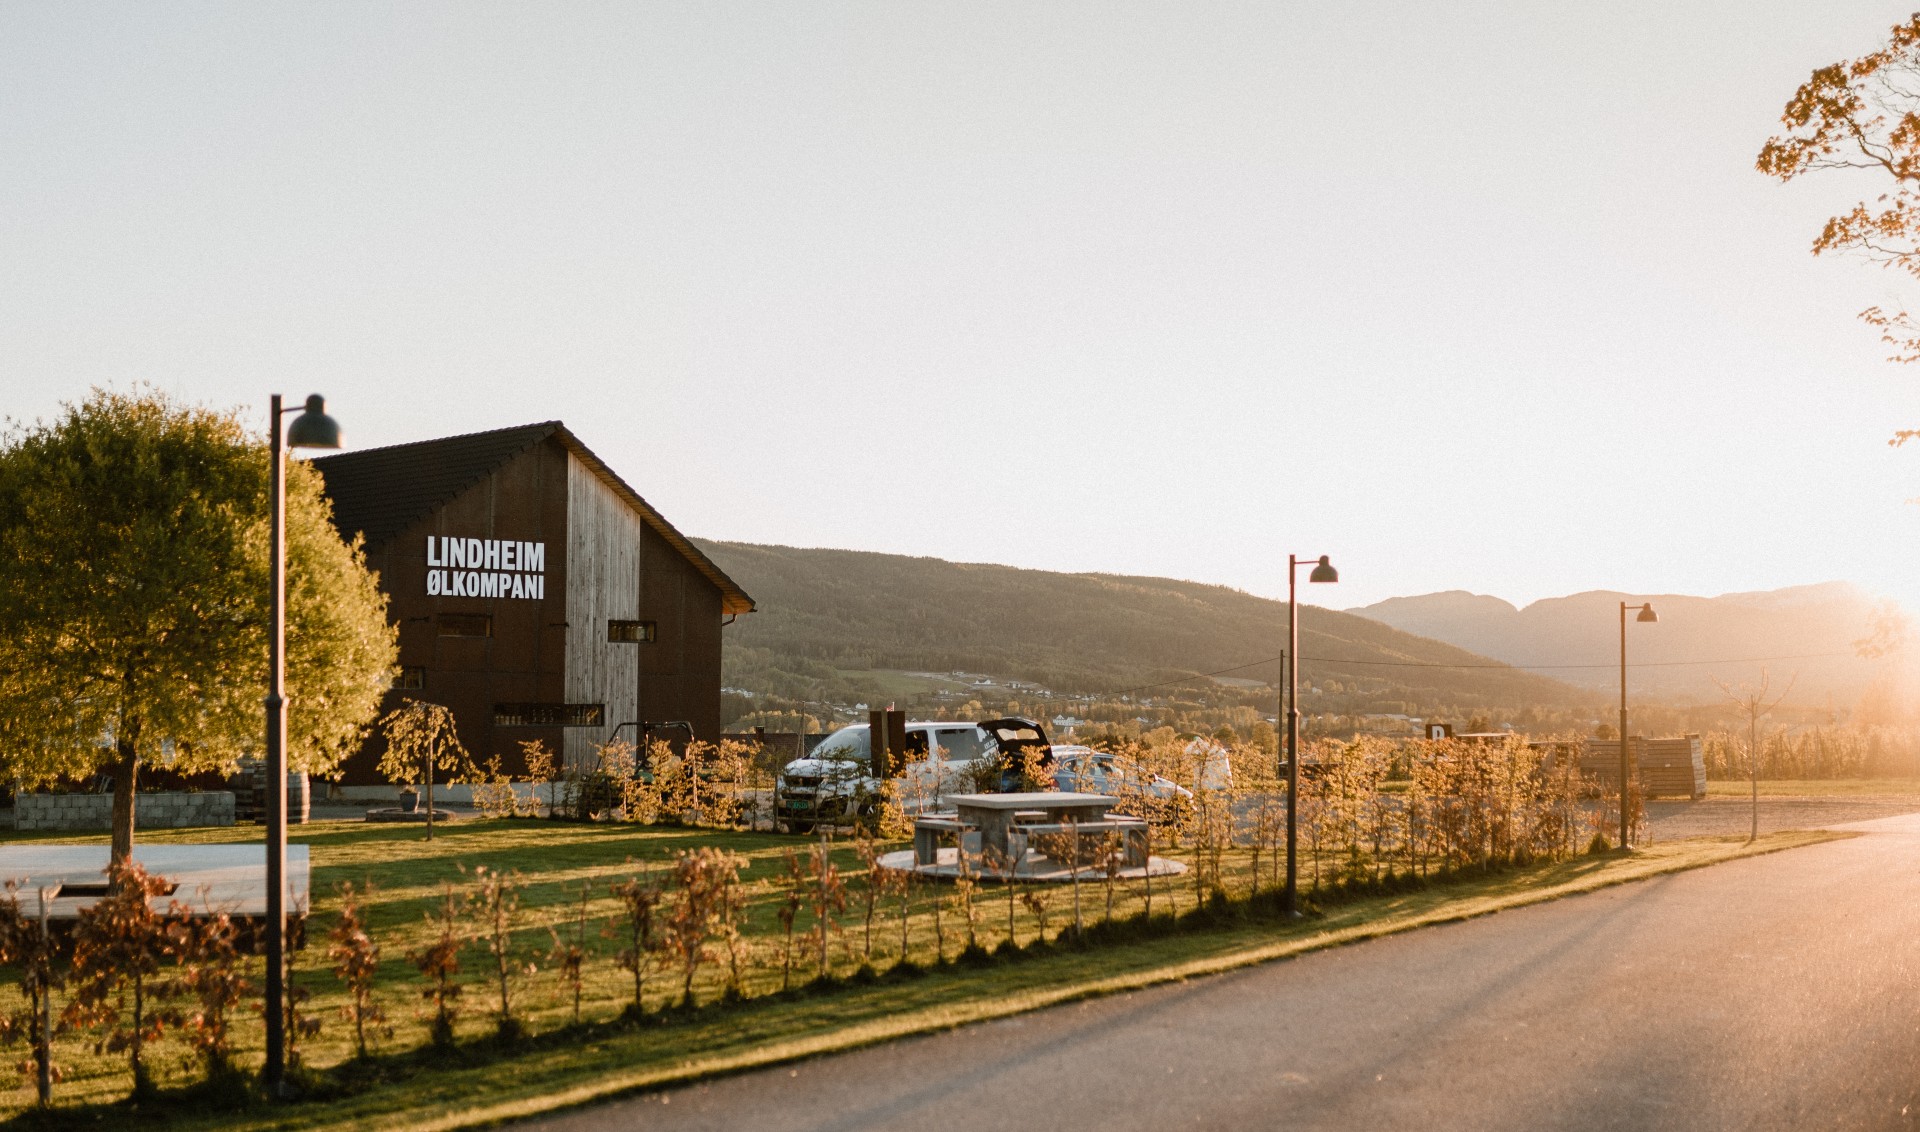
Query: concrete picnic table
{"points": [[211, 878], [993, 814]]}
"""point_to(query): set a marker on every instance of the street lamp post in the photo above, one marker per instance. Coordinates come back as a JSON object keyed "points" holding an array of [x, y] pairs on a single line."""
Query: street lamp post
{"points": [[1646, 615], [313, 428], [1323, 571]]}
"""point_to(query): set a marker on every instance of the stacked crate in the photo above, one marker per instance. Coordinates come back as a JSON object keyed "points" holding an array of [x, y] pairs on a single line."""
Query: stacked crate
{"points": [[1671, 767]]}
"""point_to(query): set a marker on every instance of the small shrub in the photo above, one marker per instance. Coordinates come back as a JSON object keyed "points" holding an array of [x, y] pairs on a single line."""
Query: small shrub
{"points": [[207, 949], [1035, 900], [876, 884], [356, 960], [541, 767], [494, 902], [794, 899], [119, 944], [569, 953], [299, 1024], [35, 953], [638, 927], [439, 963], [702, 878], [826, 896], [963, 890], [493, 793], [904, 888]]}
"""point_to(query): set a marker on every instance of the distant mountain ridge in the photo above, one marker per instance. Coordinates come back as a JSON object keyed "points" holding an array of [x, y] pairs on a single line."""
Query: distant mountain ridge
{"points": [[1080, 633], [1805, 630]]}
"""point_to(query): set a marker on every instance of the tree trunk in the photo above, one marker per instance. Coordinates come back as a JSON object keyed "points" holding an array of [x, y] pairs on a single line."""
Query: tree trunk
{"points": [[126, 768]]}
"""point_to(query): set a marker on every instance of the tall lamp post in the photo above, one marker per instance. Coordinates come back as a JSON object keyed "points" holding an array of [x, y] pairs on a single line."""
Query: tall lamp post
{"points": [[1646, 614], [1323, 571], [313, 428]]}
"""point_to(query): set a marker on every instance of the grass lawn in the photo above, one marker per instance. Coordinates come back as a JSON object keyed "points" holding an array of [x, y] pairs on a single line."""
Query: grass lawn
{"points": [[563, 1064], [1813, 787]]}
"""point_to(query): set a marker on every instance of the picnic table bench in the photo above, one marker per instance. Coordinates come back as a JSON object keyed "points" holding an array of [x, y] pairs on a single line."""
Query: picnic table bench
{"points": [[1006, 822]]}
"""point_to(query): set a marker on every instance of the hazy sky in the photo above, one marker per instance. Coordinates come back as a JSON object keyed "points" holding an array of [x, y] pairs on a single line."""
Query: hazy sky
{"points": [[1467, 296]]}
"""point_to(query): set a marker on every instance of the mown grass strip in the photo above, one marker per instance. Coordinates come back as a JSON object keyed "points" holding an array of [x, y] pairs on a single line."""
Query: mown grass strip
{"points": [[569, 1069]]}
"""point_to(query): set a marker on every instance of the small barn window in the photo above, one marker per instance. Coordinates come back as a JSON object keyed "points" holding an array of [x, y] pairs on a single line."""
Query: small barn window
{"points": [[632, 632], [466, 625], [411, 678], [549, 715]]}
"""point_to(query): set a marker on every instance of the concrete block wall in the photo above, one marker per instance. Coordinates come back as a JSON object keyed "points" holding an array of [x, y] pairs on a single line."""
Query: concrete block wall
{"points": [[95, 811]]}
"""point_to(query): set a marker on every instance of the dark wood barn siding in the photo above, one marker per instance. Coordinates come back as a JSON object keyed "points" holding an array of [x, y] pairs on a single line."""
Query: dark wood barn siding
{"points": [[609, 556], [526, 499], [680, 672]]}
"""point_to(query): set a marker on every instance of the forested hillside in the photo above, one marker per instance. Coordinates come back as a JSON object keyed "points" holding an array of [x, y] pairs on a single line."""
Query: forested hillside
{"points": [[1082, 634]]}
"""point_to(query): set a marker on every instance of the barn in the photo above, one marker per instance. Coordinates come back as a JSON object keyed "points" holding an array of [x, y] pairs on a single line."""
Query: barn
{"points": [[537, 595]]}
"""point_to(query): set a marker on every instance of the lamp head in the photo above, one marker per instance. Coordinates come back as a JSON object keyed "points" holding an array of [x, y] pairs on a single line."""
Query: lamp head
{"points": [[1324, 572], [1647, 614], [314, 428]]}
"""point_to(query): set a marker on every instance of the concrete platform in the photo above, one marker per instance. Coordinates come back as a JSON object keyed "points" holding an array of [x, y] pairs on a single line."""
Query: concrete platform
{"points": [[1035, 868], [395, 813], [223, 878]]}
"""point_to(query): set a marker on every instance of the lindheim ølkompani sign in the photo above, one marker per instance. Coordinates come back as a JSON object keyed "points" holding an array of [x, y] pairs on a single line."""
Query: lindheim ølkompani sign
{"points": [[486, 567]]}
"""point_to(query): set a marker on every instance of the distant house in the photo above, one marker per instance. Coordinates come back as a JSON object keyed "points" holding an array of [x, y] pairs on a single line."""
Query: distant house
{"points": [[537, 595]]}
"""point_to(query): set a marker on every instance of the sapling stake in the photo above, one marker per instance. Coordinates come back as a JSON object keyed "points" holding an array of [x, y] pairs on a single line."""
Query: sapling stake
{"points": [[356, 959], [963, 885], [637, 924], [569, 956], [907, 881], [1012, 876], [829, 895], [497, 898], [439, 962], [1146, 874], [1073, 834], [939, 933], [873, 887]]}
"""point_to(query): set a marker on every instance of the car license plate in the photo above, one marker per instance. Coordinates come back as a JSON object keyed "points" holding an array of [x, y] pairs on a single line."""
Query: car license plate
{"points": [[799, 804]]}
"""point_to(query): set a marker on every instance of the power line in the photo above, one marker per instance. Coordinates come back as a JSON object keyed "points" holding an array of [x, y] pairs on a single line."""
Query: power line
{"points": [[1609, 664], [1439, 664]]}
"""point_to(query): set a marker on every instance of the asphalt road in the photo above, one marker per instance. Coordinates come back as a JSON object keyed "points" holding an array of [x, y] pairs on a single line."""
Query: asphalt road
{"points": [[1775, 992]]}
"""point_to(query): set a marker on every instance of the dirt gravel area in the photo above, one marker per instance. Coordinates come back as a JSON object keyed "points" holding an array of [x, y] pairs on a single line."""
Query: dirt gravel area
{"points": [[1712, 817]]}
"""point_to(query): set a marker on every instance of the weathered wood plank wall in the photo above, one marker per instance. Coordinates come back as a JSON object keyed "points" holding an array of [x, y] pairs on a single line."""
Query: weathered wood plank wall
{"points": [[603, 583]]}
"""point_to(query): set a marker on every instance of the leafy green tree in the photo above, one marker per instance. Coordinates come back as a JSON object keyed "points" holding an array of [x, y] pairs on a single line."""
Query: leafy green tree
{"points": [[134, 601]]}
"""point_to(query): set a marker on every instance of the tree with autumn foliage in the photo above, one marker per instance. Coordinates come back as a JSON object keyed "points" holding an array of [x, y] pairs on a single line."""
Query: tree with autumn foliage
{"points": [[1864, 114], [134, 590]]}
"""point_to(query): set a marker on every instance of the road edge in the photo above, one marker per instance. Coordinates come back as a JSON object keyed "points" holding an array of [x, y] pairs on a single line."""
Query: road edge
{"points": [[936, 1020]]}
